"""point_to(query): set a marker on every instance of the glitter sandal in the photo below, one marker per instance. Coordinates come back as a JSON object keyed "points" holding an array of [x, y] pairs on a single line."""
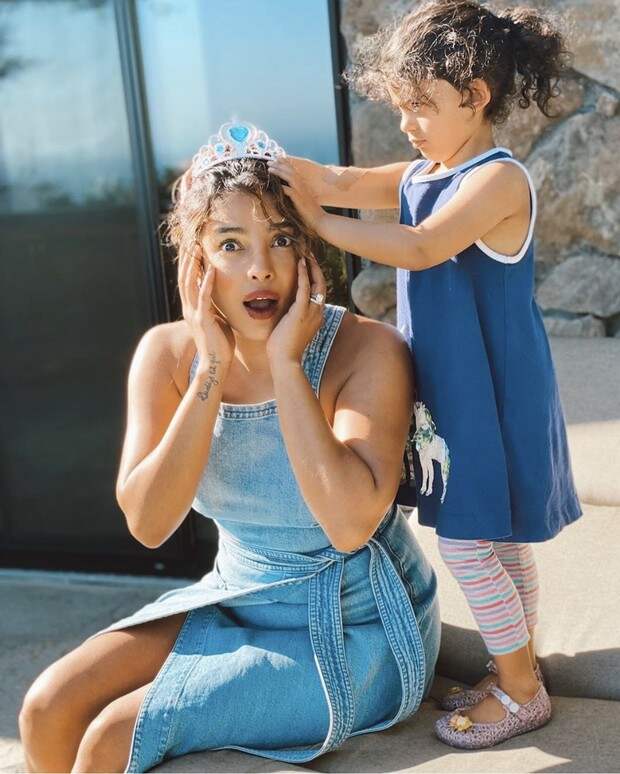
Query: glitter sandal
{"points": [[458, 730], [461, 698]]}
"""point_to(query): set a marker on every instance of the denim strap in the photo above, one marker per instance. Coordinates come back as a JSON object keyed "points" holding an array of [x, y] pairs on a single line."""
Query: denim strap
{"points": [[317, 351], [401, 629]]}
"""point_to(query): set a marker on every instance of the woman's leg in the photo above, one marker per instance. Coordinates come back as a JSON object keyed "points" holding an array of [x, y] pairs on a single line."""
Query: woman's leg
{"points": [[497, 609], [106, 742], [518, 561], [69, 694]]}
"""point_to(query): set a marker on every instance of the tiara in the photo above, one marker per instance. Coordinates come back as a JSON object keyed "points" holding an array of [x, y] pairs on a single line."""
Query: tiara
{"points": [[235, 141]]}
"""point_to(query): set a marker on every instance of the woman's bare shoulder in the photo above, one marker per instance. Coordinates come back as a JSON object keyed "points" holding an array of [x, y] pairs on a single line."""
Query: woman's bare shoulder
{"points": [[363, 337], [363, 344], [167, 351]]}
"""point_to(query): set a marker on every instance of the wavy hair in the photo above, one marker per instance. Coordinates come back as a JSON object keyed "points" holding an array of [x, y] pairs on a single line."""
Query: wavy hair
{"points": [[519, 53]]}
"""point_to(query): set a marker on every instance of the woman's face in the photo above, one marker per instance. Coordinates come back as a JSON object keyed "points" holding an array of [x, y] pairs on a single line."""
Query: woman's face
{"points": [[255, 263]]}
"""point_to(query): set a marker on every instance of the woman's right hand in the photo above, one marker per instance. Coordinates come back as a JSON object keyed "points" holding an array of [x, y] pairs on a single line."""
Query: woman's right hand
{"points": [[212, 335]]}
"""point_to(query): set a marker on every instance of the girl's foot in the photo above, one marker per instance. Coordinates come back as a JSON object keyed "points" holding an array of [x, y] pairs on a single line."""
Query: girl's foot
{"points": [[462, 698], [459, 730]]}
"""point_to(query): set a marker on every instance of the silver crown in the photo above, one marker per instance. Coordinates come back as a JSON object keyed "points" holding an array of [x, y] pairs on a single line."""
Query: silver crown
{"points": [[235, 141]]}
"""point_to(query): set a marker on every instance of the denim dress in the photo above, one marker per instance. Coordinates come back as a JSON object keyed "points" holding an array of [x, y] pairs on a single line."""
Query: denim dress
{"points": [[491, 457], [289, 646]]}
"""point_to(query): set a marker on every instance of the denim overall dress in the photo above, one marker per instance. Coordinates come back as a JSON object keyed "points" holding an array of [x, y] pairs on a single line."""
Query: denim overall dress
{"points": [[491, 459], [289, 646]]}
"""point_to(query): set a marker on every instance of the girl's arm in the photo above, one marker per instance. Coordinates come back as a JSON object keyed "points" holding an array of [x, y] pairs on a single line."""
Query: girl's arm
{"points": [[348, 472], [355, 188], [495, 194]]}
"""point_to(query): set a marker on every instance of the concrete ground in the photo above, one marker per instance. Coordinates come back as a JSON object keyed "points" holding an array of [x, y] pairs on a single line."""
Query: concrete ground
{"points": [[44, 615]]}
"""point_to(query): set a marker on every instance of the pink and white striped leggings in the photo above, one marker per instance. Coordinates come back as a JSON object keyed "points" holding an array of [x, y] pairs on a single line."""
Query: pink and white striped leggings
{"points": [[500, 583]]}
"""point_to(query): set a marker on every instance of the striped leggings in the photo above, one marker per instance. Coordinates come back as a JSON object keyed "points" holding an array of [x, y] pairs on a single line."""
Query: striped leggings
{"points": [[500, 583]]}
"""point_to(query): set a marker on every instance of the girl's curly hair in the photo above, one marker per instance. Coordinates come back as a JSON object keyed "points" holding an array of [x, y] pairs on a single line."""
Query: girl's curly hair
{"points": [[193, 200], [519, 53]]}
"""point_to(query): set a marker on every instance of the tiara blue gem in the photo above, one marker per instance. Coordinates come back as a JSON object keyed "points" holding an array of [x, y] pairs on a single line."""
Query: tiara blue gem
{"points": [[238, 133]]}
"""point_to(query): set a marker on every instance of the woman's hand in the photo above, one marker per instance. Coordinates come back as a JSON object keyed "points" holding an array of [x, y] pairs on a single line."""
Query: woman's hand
{"points": [[296, 329], [299, 192], [212, 335]]}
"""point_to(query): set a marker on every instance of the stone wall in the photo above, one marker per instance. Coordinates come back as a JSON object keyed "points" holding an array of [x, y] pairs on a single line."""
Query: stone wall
{"points": [[573, 159]]}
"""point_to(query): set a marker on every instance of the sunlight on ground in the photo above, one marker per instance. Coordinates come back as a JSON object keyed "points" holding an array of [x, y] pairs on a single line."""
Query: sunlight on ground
{"points": [[10, 754], [595, 451], [502, 761]]}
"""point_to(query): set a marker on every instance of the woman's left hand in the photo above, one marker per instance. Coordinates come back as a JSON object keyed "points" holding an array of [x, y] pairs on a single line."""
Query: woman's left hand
{"points": [[297, 328], [299, 193]]}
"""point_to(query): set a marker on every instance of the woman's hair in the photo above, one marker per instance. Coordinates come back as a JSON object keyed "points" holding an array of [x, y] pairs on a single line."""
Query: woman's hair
{"points": [[518, 53], [193, 199]]}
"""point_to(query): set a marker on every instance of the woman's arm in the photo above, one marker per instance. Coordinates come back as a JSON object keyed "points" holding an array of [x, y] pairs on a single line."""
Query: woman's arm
{"points": [[348, 473], [495, 194], [167, 441], [356, 188], [168, 436]]}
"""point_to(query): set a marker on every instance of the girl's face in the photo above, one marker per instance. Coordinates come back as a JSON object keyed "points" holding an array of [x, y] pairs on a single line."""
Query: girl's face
{"points": [[437, 123], [255, 263]]}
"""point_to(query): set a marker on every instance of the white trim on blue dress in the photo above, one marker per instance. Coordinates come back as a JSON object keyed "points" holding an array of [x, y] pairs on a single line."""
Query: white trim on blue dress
{"points": [[422, 178], [516, 257]]}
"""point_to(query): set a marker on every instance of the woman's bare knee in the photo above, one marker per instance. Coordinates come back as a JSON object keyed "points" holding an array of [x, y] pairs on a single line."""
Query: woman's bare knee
{"points": [[51, 694], [69, 694], [52, 721]]}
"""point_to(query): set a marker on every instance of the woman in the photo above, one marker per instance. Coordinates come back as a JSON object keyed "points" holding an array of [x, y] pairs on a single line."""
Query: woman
{"points": [[282, 419]]}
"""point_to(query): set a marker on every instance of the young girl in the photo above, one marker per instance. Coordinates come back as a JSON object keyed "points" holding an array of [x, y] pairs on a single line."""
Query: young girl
{"points": [[492, 465]]}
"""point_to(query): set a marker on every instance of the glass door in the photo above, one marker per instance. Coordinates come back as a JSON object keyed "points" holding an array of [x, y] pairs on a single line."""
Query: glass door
{"points": [[76, 287]]}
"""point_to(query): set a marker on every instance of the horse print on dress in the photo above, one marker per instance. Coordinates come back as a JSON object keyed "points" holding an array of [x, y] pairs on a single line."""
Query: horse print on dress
{"points": [[430, 447]]}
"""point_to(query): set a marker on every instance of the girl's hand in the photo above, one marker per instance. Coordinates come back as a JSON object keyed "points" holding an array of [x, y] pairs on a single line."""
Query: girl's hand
{"points": [[299, 192], [311, 173], [212, 335], [297, 328]]}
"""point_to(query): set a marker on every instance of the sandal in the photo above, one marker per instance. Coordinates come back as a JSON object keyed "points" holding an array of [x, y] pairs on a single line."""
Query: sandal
{"points": [[458, 730], [461, 698]]}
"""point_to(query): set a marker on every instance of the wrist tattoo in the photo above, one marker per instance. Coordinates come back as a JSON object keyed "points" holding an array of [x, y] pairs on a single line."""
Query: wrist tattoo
{"points": [[343, 179], [212, 379]]}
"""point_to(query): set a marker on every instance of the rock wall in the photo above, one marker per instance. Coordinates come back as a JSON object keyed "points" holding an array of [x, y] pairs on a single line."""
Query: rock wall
{"points": [[573, 159]]}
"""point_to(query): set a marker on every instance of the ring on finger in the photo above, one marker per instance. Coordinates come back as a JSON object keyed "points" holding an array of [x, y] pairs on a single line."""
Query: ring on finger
{"points": [[317, 298]]}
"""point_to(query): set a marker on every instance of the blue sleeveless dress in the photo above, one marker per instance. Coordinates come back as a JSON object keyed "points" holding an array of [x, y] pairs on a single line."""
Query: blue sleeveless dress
{"points": [[490, 453], [289, 646]]}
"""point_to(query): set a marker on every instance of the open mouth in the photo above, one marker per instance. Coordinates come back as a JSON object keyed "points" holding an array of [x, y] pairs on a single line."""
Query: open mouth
{"points": [[261, 308]]}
